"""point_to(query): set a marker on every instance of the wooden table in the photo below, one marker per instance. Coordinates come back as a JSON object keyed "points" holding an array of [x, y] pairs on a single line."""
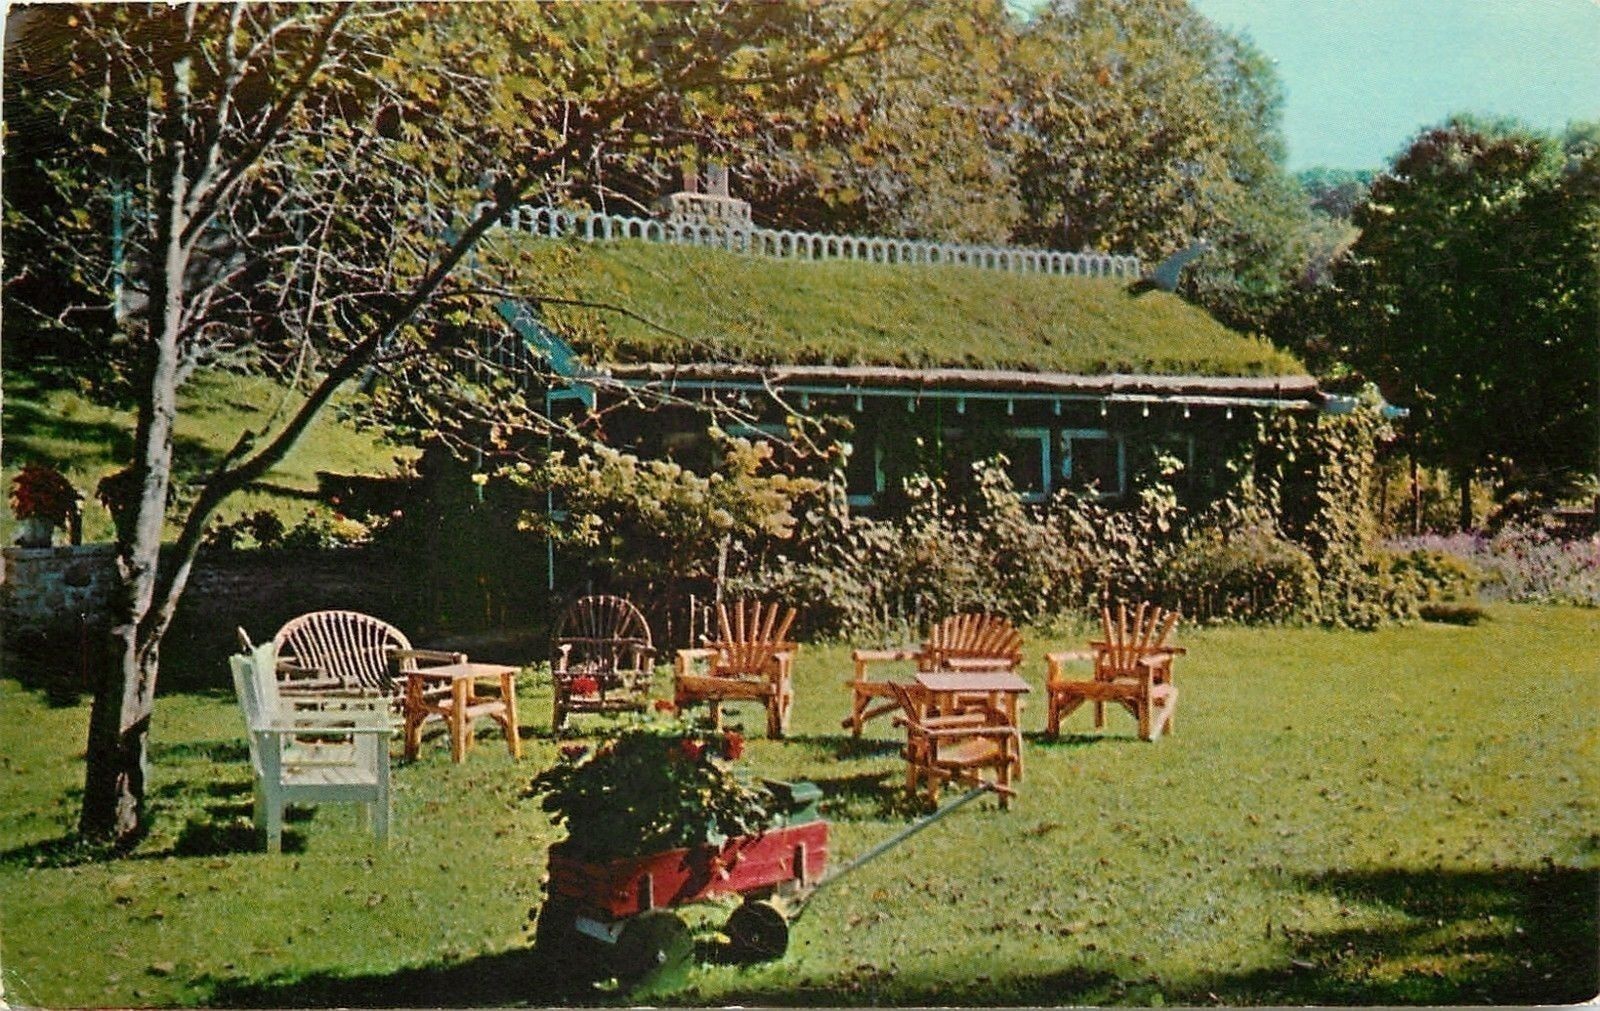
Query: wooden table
{"points": [[463, 706], [1000, 688]]}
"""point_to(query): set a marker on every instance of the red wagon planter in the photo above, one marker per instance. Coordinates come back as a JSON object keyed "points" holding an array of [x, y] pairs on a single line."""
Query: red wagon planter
{"points": [[627, 886]]}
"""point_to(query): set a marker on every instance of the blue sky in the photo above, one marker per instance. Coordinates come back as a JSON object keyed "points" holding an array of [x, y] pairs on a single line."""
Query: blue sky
{"points": [[1363, 76]]}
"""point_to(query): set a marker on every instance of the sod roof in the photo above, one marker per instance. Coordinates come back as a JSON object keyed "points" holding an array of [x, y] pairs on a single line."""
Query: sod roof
{"points": [[681, 304]]}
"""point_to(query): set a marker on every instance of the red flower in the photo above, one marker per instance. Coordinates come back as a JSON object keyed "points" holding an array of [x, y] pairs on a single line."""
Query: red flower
{"points": [[573, 752], [691, 749], [732, 745], [41, 492], [585, 684]]}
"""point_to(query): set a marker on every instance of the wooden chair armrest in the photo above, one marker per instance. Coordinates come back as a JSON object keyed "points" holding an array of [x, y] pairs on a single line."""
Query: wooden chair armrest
{"points": [[315, 686], [975, 717], [439, 656], [1069, 656], [278, 727], [882, 655], [1006, 732], [1159, 657], [688, 657]]}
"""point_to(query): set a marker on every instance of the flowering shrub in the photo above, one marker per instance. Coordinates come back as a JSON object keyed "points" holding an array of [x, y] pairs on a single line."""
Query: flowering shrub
{"points": [[263, 529], [652, 788], [1523, 564], [41, 492]]}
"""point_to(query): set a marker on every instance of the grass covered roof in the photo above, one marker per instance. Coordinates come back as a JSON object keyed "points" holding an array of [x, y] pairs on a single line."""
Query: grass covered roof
{"points": [[681, 304]]}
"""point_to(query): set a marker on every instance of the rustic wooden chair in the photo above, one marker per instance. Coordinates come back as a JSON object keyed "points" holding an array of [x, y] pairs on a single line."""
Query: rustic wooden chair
{"points": [[955, 747], [347, 651], [1132, 667], [337, 752], [961, 640], [603, 658], [752, 660]]}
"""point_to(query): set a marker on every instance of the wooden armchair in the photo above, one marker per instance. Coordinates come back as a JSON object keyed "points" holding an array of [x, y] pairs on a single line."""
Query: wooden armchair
{"points": [[955, 747], [961, 640], [1132, 667], [752, 660], [348, 651], [337, 751], [603, 658]]}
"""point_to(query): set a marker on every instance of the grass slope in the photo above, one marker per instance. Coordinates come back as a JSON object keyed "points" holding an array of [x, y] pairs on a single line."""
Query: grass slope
{"points": [[721, 306], [86, 441], [1404, 817]]}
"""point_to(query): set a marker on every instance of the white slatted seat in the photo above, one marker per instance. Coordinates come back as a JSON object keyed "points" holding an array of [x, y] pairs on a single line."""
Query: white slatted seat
{"points": [[336, 751]]}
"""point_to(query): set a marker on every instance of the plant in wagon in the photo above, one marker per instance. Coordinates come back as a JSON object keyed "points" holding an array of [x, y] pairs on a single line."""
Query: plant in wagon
{"points": [[652, 788]]}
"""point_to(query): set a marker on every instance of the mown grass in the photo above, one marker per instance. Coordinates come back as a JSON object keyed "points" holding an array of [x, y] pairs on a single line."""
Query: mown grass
{"points": [[704, 304], [87, 441], [1402, 817]]}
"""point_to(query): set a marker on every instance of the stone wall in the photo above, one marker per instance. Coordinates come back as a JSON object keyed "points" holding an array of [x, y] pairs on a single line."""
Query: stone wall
{"points": [[54, 602]]}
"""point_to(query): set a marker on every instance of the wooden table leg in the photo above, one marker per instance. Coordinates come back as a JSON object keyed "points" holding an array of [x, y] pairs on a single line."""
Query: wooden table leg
{"points": [[508, 692], [459, 693]]}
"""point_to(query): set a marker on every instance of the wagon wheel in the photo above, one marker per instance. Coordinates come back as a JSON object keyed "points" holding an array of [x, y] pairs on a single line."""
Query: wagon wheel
{"points": [[564, 949], [652, 950], [758, 931]]}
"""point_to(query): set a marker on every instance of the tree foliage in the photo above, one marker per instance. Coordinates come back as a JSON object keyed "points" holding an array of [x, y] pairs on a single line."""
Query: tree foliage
{"points": [[1472, 297], [1146, 127]]}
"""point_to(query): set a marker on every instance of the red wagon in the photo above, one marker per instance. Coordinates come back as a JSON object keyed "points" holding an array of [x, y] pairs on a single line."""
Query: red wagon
{"points": [[624, 905]]}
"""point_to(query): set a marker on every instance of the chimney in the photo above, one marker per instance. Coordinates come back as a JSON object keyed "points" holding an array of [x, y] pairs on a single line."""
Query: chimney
{"points": [[716, 179]]}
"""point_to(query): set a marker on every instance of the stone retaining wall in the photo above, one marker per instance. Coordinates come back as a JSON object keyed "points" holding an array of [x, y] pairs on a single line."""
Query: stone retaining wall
{"points": [[49, 596]]}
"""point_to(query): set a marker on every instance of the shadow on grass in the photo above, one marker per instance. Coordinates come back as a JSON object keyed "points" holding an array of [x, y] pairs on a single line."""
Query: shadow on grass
{"points": [[926, 986], [1514, 936], [282, 490], [31, 427], [1042, 740], [529, 977], [843, 746], [522, 976]]}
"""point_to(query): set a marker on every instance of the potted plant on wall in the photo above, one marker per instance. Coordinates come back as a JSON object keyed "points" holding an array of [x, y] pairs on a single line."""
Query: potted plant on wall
{"points": [[659, 815], [41, 500]]}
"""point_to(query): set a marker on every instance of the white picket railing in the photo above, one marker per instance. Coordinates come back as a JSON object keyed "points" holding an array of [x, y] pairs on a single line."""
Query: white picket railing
{"points": [[796, 245]]}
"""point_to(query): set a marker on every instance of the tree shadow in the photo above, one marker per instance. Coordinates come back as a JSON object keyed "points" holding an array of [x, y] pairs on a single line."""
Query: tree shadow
{"points": [[925, 986], [521, 976], [1040, 739], [220, 752], [1512, 936], [31, 428], [529, 977], [844, 747]]}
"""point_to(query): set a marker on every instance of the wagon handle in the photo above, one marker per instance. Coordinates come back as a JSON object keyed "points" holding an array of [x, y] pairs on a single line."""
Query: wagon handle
{"points": [[891, 842]]}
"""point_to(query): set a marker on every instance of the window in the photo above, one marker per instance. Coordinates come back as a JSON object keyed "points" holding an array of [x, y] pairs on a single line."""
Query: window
{"points": [[1093, 456], [1028, 462], [863, 471]]}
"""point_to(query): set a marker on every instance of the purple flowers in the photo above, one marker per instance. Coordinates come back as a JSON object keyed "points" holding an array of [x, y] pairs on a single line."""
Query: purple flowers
{"points": [[1524, 564]]}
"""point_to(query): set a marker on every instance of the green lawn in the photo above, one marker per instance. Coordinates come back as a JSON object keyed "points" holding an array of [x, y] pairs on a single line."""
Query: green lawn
{"points": [[87, 441], [1399, 817]]}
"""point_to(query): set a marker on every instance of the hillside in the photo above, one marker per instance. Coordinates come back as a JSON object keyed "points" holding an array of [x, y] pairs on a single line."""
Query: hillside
{"points": [[86, 441]]}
